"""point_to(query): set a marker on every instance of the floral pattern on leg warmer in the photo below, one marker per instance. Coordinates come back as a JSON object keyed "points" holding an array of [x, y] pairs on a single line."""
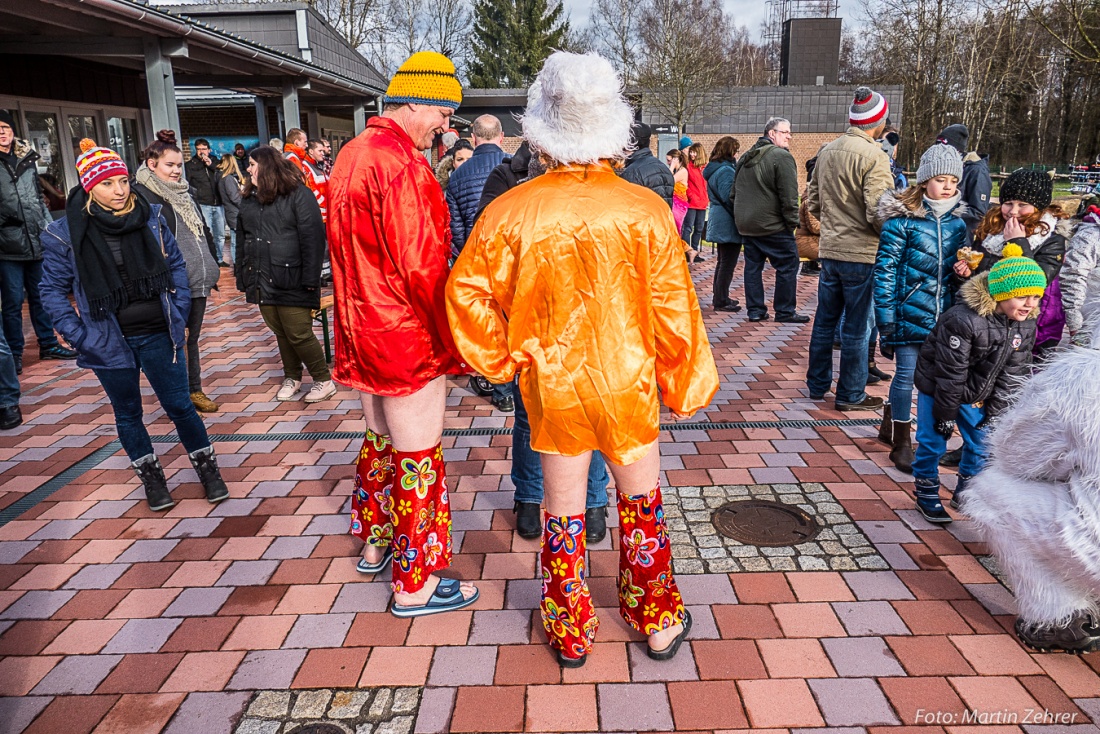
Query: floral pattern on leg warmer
{"points": [[568, 613], [421, 514], [649, 600], [370, 499]]}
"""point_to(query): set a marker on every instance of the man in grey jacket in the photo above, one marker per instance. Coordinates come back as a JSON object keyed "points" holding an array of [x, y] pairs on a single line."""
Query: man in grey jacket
{"points": [[765, 208], [23, 216], [852, 174]]}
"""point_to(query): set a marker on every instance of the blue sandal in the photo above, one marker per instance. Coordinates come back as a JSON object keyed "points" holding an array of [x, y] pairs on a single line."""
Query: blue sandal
{"points": [[447, 597], [373, 568]]}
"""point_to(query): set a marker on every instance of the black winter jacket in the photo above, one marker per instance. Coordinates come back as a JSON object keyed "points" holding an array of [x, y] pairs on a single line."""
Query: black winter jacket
{"points": [[204, 180], [976, 188], [1047, 248], [644, 169], [975, 354], [280, 247], [464, 191], [23, 213], [508, 174]]}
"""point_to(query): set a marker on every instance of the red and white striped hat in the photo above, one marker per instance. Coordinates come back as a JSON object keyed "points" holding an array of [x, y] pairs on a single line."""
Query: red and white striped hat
{"points": [[868, 110]]}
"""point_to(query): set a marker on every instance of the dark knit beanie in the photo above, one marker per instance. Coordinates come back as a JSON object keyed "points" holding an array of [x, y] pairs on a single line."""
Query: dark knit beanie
{"points": [[957, 136], [1031, 187], [6, 117], [642, 133]]}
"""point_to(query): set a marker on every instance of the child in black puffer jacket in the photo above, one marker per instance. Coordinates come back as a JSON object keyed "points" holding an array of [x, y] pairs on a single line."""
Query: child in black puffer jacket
{"points": [[968, 368]]}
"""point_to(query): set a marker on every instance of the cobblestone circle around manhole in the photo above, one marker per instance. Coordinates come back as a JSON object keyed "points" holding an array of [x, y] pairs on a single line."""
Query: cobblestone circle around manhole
{"points": [[697, 547], [332, 711], [765, 523]]}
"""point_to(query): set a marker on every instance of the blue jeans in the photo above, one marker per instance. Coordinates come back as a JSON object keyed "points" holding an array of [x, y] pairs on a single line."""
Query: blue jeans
{"points": [[9, 381], [901, 387], [233, 243], [15, 277], [781, 251], [842, 288], [931, 446], [215, 220], [527, 466], [505, 391], [166, 371]]}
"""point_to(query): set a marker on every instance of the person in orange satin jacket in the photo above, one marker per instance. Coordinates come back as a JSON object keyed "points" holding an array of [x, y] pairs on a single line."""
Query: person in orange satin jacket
{"points": [[576, 280], [389, 240]]}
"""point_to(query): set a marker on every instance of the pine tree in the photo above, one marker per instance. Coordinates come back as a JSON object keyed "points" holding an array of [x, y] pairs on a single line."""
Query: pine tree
{"points": [[512, 39]]}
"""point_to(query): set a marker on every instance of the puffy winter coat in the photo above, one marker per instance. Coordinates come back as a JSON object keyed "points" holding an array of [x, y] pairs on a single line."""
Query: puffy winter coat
{"points": [[464, 190], [512, 171], [643, 169], [766, 201], [280, 247], [975, 354], [913, 276], [389, 240], [23, 213], [1080, 275], [100, 344], [720, 177], [852, 174]]}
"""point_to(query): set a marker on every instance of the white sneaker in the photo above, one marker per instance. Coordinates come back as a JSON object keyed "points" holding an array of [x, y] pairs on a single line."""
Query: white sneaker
{"points": [[289, 390], [321, 391]]}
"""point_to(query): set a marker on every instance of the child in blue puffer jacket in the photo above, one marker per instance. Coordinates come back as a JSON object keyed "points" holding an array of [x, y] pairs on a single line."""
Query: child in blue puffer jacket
{"points": [[912, 279]]}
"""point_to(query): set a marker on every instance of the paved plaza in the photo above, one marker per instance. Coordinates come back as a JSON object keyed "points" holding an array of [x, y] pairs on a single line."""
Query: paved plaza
{"points": [[249, 616]]}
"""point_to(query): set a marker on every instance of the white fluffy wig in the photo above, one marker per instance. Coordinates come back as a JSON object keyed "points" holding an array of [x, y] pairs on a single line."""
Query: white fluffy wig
{"points": [[576, 112]]}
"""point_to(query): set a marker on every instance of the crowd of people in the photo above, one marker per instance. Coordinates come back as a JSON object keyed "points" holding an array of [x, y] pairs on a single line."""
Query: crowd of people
{"points": [[560, 273]]}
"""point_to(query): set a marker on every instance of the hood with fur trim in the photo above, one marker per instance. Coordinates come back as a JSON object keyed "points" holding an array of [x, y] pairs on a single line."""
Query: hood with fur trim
{"points": [[890, 206], [994, 243], [975, 294]]}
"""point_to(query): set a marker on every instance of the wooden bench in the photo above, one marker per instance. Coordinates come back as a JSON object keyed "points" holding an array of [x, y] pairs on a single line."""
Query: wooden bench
{"points": [[321, 317]]}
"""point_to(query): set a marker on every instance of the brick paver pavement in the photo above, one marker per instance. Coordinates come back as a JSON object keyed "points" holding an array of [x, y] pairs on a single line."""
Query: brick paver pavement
{"points": [[113, 618]]}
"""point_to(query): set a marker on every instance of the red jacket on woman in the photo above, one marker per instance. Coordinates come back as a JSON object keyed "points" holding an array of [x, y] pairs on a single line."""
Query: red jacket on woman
{"points": [[389, 240], [697, 188]]}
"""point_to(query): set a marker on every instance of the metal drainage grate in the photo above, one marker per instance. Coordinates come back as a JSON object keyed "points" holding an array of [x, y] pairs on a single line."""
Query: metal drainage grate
{"points": [[765, 523], [319, 729]]}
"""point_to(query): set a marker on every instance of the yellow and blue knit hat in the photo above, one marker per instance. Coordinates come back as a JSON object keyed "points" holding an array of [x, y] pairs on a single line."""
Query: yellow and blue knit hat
{"points": [[1015, 276], [426, 77]]}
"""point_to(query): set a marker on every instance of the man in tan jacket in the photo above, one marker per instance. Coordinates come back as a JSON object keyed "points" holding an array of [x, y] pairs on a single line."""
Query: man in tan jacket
{"points": [[852, 174]]}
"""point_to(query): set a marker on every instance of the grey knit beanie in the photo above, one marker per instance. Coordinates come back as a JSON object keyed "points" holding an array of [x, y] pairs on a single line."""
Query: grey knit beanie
{"points": [[869, 109], [940, 160]]}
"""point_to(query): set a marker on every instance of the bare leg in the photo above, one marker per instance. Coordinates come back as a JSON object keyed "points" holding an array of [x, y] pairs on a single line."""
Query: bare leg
{"points": [[414, 423]]}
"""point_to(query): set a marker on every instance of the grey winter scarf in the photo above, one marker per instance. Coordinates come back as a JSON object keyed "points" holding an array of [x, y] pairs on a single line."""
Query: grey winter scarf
{"points": [[176, 194], [942, 207]]}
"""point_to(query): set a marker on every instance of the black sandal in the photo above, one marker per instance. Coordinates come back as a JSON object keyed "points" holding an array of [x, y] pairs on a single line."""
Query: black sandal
{"points": [[673, 647], [568, 662]]}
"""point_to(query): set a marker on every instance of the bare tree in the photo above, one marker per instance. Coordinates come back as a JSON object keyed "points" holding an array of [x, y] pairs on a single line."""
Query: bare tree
{"points": [[614, 28], [359, 21], [1074, 24], [682, 56]]}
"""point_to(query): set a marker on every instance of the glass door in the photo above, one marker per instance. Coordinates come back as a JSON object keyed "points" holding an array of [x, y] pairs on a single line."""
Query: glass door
{"points": [[80, 127], [122, 137], [43, 134]]}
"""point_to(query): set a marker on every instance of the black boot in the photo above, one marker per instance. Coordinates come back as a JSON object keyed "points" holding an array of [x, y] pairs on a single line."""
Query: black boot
{"points": [[952, 458], [206, 464], [528, 519], [927, 492], [902, 452], [10, 417], [886, 428], [595, 524], [151, 474], [960, 487], [872, 369], [1080, 635]]}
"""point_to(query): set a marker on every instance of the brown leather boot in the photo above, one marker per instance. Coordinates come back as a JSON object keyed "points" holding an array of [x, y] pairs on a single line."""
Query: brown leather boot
{"points": [[886, 430], [902, 453]]}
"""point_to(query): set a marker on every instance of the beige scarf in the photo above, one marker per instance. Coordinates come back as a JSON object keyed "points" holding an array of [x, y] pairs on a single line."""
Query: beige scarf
{"points": [[176, 193]]}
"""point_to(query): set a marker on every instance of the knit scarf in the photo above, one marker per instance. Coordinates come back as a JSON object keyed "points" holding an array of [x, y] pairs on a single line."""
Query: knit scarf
{"points": [[95, 265], [940, 207], [177, 195]]}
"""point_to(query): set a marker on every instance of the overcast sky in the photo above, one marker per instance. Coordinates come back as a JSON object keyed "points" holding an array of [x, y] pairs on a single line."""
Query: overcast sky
{"points": [[749, 13]]}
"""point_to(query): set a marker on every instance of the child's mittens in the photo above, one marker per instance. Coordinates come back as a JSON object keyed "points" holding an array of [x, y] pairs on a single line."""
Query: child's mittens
{"points": [[945, 429]]}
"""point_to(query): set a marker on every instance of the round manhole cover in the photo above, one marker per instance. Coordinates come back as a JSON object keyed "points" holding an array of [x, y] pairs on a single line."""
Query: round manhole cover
{"points": [[319, 728], [764, 523]]}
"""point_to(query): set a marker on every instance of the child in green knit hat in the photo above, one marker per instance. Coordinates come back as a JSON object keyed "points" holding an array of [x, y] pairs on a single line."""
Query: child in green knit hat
{"points": [[975, 356]]}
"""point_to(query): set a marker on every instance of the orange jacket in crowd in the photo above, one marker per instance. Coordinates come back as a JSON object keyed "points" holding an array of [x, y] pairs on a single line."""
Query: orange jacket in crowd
{"points": [[577, 281], [315, 179], [389, 239]]}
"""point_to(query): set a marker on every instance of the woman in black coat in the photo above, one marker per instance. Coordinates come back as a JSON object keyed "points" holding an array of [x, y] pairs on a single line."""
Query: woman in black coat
{"points": [[280, 245]]}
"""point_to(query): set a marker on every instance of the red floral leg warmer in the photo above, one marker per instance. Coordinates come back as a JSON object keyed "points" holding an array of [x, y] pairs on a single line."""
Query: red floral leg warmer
{"points": [[648, 598], [421, 518], [370, 499], [568, 613]]}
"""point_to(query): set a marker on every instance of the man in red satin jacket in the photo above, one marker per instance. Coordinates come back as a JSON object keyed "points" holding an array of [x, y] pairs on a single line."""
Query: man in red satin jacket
{"points": [[389, 239]]}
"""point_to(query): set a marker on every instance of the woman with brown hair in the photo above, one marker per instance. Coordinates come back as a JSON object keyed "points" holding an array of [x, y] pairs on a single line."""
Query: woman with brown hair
{"points": [[720, 175], [282, 243], [698, 200], [160, 181]]}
